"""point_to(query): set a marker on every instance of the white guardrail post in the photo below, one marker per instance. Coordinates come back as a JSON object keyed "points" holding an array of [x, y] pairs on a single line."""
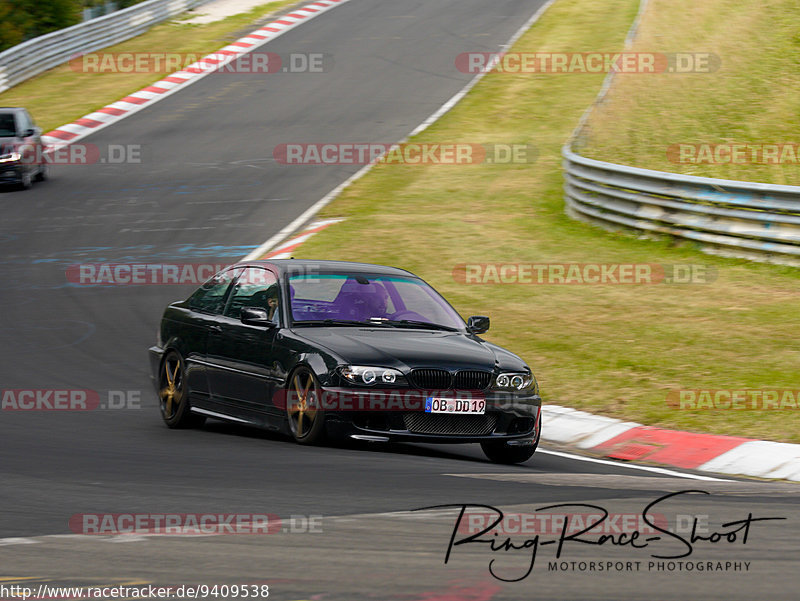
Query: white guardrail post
{"points": [[45, 52]]}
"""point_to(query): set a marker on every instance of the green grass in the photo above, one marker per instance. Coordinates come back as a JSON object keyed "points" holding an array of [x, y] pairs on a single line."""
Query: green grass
{"points": [[610, 349], [752, 98], [62, 94]]}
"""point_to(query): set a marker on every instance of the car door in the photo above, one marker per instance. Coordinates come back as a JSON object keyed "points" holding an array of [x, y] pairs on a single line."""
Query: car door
{"points": [[241, 373], [197, 319]]}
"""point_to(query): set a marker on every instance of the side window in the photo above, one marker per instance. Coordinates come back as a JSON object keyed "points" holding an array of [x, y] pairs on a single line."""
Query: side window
{"points": [[8, 126], [256, 287], [210, 297], [23, 123]]}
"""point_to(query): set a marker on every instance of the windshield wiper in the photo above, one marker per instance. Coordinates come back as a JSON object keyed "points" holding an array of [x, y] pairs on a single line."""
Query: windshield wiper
{"points": [[336, 322], [415, 323], [377, 321]]}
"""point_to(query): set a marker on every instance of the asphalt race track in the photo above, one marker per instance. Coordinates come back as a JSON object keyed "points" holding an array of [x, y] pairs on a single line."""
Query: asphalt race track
{"points": [[207, 190]]}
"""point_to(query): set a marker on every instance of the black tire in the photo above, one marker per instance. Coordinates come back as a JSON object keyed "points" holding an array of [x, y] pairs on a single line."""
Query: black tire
{"points": [[43, 174], [25, 181], [306, 419], [173, 398], [502, 452]]}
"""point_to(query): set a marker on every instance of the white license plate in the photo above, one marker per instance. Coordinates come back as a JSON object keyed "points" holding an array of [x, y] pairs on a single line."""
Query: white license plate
{"points": [[455, 406]]}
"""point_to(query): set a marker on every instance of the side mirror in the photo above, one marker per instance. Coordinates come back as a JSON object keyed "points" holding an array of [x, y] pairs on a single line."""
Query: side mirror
{"points": [[254, 316], [28, 133], [478, 324]]}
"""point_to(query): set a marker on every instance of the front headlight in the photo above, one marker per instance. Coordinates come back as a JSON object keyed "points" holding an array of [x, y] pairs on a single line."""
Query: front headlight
{"points": [[11, 157], [366, 375], [516, 380]]}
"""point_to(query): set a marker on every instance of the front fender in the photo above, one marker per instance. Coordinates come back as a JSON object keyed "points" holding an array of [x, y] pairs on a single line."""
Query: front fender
{"points": [[321, 366]]}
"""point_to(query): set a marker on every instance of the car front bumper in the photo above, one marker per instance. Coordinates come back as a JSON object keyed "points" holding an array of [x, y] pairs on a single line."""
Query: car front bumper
{"points": [[516, 420], [10, 173]]}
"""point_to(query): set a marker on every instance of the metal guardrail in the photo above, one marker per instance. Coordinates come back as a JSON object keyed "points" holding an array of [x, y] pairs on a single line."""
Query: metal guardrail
{"points": [[733, 218], [756, 221], [45, 52]]}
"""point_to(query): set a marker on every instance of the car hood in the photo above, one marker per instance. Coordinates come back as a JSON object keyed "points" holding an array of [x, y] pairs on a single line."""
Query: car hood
{"points": [[409, 349]]}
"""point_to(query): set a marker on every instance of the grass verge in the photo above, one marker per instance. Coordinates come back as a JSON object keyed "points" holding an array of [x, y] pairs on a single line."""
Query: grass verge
{"points": [[612, 349], [750, 99], [62, 95]]}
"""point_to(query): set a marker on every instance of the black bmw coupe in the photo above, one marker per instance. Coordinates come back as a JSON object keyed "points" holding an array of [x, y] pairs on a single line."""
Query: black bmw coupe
{"points": [[316, 348]]}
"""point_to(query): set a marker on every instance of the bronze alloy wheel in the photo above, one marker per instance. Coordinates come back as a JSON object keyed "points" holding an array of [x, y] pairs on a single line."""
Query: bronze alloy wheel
{"points": [[172, 394], [306, 418]]}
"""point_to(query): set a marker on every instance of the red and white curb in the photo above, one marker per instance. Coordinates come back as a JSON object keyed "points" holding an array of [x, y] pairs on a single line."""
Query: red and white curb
{"points": [[285, 250], [630, 441], [72, 132]]}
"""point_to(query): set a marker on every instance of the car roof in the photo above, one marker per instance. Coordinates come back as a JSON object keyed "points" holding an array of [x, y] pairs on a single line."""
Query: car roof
{"points": [[10, 109], [295, 266]]}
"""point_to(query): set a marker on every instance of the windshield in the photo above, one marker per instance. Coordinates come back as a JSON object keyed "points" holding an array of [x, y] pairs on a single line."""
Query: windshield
{"points": [[358, 298]]}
